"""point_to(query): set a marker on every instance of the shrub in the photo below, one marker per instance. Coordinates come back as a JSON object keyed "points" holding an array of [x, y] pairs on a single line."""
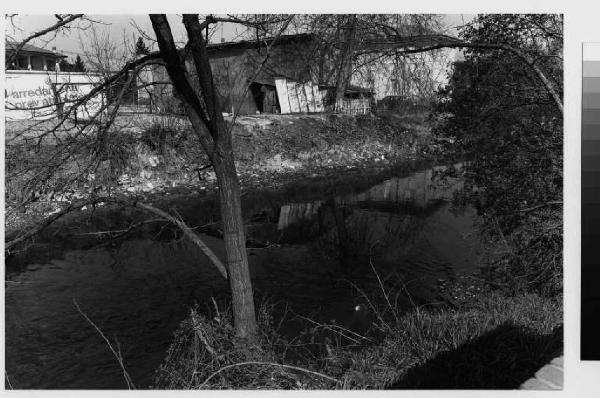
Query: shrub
{"points": [[205, 354]]}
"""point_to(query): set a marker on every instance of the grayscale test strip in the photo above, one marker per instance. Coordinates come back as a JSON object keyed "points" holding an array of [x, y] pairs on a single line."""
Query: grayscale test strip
{"points": [[590, 206]]}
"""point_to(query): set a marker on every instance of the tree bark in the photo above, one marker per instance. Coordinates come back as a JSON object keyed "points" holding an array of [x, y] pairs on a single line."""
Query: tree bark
{"points": [[200, 101], [345, 71], [240, 284]]}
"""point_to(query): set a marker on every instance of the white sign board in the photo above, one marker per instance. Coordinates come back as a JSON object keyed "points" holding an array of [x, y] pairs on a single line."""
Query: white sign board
{"points": [[39, 95], [299, 97], [282, 95], [293, 97]]}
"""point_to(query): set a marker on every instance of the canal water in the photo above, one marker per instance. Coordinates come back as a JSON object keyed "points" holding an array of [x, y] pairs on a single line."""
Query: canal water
{"points": [[317, 257]]}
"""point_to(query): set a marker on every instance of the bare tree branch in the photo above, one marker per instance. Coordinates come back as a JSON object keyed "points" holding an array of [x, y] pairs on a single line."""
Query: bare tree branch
{"points": [[456, 43], [190, 233]]}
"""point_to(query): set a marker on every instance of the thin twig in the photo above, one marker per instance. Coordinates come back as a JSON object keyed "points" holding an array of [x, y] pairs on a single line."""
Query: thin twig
{"points": [[334, 327], [269, 364], [120, 231], [216, 307], [117, 355], [375, 311], [200, 335], [412, 302], [384, 292], [547, 204], [8, 380]]}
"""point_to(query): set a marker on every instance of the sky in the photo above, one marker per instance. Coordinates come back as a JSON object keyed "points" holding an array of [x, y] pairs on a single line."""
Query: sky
{"points": [[70, 42]]}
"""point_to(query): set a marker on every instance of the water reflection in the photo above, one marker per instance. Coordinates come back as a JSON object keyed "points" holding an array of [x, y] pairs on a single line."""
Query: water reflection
{"points": [[391, 217], [419, 191]]}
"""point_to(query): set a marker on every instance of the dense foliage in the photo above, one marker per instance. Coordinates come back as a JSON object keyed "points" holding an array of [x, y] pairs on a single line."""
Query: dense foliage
{"points": [[498, 112]]}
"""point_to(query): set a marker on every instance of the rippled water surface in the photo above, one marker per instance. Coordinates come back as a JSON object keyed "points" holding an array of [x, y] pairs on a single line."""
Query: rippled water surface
{"points": [[139, 290]]}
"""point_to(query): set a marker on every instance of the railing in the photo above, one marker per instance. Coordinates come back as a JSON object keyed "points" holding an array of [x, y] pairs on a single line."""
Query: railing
{"points": [[356, 106], [135, 108]]}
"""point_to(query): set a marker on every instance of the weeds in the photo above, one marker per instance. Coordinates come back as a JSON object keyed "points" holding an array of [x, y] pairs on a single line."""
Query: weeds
{"points": [[207, 355], [463, 347]]}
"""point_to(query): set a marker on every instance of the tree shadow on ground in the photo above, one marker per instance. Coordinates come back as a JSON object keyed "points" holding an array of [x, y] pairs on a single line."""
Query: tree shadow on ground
{"points": [[503, 358]]}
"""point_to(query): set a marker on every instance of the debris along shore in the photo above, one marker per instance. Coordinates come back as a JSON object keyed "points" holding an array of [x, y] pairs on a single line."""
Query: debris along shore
{"points": [[270, 151]]}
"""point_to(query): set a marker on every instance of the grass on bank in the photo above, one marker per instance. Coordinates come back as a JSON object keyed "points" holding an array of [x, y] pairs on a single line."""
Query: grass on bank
{"points": [[495, 342]]}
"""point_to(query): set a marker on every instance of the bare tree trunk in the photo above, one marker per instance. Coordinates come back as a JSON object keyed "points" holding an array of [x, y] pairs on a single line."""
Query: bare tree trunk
{"points": [[200, 100], [234, 236], [240, 284], [345, 71]]}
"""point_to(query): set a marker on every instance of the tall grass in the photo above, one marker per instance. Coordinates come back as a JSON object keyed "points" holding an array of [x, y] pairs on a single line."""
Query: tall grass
{"points": [[494, 341]]}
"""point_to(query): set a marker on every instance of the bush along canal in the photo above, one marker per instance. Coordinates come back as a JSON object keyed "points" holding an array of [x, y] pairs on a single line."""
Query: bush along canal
{"points": [[362, 288]]}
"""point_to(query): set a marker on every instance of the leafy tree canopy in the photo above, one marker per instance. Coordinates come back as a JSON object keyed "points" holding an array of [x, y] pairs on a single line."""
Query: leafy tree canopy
{"points": [[499, 115]]}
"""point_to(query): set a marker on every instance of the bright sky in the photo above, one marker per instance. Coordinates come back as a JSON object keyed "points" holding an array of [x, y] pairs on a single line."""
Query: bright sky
{"points": [[116, 25]]}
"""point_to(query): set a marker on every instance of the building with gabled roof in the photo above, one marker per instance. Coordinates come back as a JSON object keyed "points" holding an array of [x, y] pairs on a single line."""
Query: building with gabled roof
{"points": [[247, 83]]}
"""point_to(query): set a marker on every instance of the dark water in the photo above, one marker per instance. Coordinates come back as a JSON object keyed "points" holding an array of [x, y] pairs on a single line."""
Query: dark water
{"points": [[307, 255]]}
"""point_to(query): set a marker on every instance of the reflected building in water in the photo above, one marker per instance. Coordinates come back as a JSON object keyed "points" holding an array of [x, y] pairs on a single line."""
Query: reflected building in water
{"points": [[418, 191], [404, 225]]}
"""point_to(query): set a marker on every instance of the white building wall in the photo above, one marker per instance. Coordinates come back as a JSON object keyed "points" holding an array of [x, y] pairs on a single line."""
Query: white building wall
{"points": [[34, 94]]}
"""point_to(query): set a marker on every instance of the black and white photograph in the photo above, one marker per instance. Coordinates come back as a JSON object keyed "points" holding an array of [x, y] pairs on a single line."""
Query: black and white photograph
{"points": [[368, 201]]}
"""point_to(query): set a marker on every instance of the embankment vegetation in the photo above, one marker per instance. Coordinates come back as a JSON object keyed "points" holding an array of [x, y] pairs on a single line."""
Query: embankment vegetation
{"points": [[155, 156], [491, 341], [497, 113], [494, 112]]}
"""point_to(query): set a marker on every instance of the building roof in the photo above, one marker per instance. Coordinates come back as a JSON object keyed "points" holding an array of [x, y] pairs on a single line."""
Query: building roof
{"points": [[31, 49], [404, 36]]}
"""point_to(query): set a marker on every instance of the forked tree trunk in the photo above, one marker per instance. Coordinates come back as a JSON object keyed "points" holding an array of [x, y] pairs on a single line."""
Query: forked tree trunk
{"points": [[198, 95]]}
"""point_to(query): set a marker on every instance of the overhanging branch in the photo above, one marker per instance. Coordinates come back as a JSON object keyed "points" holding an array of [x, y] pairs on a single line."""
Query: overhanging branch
{"points": [[190, 233]]}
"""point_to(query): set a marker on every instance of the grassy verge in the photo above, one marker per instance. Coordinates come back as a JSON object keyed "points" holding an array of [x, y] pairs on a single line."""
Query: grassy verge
{"points": [[494, 342]]}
